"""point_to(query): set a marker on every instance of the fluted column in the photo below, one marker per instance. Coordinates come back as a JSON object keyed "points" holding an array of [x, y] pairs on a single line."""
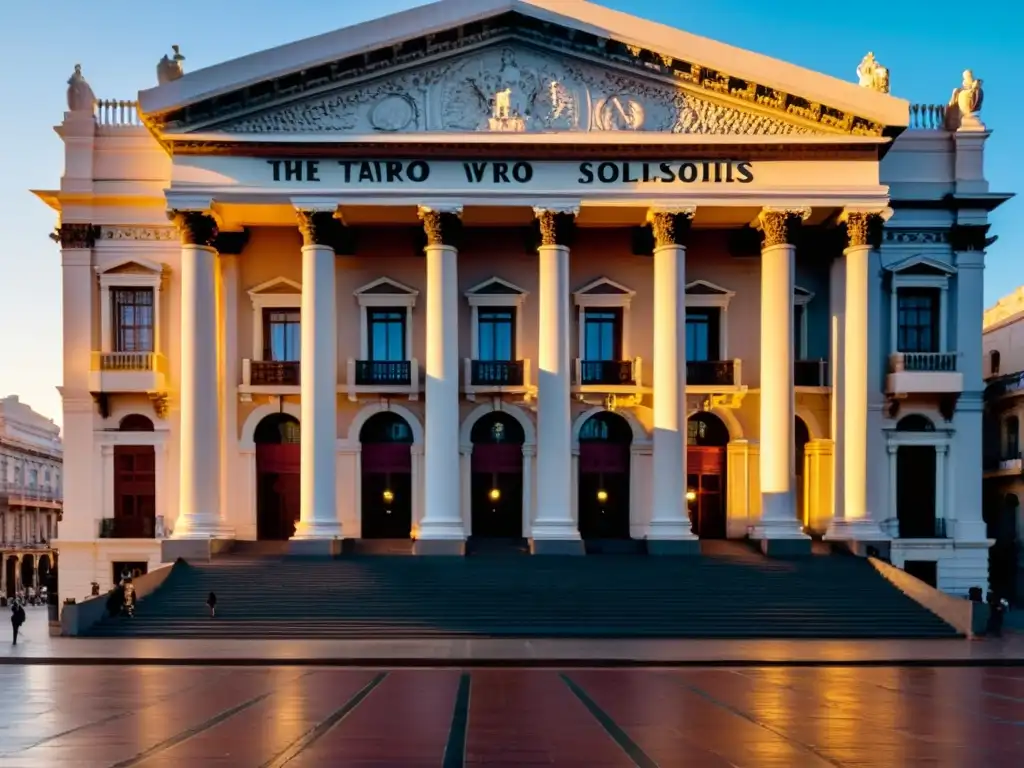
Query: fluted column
{"points": [[441, 531], [318, 529], [853, 521], [779, 530], [199, 515], [669, 530], [554, 530]]}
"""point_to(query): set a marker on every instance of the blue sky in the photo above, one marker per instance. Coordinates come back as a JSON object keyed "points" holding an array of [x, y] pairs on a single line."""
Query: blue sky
{"points": [[925, 43]]}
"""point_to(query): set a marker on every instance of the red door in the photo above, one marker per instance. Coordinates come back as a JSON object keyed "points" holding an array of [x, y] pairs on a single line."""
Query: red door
{"points": [[705, 486], [134, 491]]}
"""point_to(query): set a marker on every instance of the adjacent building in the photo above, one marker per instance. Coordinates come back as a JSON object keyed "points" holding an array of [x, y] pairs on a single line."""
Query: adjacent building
{"points": [[31, 463], [521, 270]]}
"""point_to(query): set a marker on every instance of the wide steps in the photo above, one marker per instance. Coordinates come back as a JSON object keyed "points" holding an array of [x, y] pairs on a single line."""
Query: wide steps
{"points": [[612, 596]]}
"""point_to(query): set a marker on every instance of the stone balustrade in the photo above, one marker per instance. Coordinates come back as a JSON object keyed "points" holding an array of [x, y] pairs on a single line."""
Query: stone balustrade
{"points": [[117, 113]]}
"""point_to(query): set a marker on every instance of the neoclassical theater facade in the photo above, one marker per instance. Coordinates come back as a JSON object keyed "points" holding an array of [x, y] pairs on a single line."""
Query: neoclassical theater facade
{"points": [[521, 270]]}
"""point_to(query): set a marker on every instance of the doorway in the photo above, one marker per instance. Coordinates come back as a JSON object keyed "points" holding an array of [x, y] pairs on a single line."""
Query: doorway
{"points": [[135, 484], [916, 483], [603, 490], [278, 456], [706, 441], [497, 477], [386, 459]]}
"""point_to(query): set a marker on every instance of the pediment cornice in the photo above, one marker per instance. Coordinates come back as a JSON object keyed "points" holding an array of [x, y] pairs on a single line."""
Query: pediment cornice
{"points": [[567, 80]]}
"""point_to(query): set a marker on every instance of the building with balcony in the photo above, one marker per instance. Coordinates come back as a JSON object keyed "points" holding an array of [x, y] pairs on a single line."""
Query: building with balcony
{"points": [[540, 271], [1003, 350], [31, 494]]}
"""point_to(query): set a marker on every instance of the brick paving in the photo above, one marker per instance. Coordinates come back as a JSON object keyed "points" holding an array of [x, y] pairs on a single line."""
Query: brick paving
{"points": [[270, 717]]}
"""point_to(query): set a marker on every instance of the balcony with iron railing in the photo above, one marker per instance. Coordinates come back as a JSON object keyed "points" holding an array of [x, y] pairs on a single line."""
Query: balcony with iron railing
{"points": [[19, 494], [712, 374], [810, 373], [923, 373], [607, 376], [1002, 386], [128, 372], [496, 377], [279, 375], [142, 528], [383, 377]]}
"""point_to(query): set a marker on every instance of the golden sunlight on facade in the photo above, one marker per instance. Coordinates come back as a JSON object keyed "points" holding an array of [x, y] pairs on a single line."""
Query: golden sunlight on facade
{"points": [[545, 273]]}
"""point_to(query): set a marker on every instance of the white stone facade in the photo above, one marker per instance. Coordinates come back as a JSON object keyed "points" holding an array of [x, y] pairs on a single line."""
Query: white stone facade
{"points": [[485, 220]]}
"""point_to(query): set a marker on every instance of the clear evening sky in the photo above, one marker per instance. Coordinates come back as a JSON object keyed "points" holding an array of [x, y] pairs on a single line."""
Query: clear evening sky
{"points": [[926, 44]]}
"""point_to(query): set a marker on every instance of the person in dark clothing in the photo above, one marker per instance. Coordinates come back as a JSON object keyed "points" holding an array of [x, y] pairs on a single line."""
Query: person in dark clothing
{"points": [[17, 619], [211, 602], [996, 611], [115, 601]]}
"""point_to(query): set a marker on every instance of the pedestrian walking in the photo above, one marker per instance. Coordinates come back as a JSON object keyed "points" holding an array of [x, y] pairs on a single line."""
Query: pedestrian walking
{"points": [[211, 603], [17, 619]]}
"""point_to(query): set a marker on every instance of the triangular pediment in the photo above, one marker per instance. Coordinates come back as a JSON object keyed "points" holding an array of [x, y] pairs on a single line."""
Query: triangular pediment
{"points": [[278, 285], [385, 286], [495, 286], [513, 65], [605, 287], [705, 288], [923, 265], [130, 266]]}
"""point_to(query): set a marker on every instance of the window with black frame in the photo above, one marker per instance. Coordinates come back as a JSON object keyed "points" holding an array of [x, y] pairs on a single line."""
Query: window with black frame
{"points": [[386, 327], [602, 348], [702, 334], [917, 320], [133, 319], [282, 335], [496, 334]]}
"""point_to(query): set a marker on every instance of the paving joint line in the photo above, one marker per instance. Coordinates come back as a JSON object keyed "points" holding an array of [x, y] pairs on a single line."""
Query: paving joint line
{"points": [[633, 750], [458, 732]]}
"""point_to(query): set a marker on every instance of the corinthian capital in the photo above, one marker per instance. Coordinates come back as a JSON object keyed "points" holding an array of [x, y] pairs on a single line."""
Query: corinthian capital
{"points": [[317, 227], [556, 224], [780, 225], [441, 224], [195, 227], [75, 235], [670, 226], [864, 228]]}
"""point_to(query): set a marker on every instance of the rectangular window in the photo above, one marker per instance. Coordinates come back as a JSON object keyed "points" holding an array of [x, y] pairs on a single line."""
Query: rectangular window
{"points": [[387, 334], [602, 335], [703, 335], [496, 334], [282, 335], [133, 319], [917, 320]]}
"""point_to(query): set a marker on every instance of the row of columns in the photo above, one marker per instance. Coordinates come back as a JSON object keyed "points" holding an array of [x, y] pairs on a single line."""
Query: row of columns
{"points": [[554, 529]]}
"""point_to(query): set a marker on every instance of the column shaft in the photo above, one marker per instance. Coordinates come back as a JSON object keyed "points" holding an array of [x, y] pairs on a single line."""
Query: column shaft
{"points": [[318, 378], [441, 530], [199, 514], [670, 528]]}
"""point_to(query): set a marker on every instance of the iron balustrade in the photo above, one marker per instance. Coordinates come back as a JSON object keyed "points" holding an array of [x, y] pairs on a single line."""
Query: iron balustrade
{"points": [[810, 373], [711, 373], [928, 362], [266, 373], [127, 361], [923, 529], [112, 528], [616, 372], [496, 373], [391, 373]]}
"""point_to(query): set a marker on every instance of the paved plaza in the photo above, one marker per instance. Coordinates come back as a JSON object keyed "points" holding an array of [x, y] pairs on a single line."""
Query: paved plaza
{"points": [[88, 716]]}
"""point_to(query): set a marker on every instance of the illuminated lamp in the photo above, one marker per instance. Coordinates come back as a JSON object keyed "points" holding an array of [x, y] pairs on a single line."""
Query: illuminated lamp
{"points": [[691, 495], [494, 495], [602, 496], [388, 497]]}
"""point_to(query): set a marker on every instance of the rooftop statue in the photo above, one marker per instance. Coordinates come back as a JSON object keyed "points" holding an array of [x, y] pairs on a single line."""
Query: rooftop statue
{"points": [[80, 95], [873, 75], [965, 104], [169, 69]]}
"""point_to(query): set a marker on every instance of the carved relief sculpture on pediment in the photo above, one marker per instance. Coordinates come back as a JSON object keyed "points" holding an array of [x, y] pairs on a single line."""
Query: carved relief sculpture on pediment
{"points": [[516, 89]]}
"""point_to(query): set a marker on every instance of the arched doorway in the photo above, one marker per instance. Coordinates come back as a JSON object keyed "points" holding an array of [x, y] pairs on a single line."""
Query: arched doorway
{"points": [[916, 482], [43, 568], [801, 436], [278, 455], [706, 441], [497, 477], [134, 483], [11, 575], [386, 460], [603, 490], [28, 572]]}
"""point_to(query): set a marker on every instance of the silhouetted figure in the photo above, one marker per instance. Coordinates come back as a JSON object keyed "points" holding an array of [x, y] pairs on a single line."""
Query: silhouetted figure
{"points": [[115, 601], [211, 603], [996, 611], [17, 619]]}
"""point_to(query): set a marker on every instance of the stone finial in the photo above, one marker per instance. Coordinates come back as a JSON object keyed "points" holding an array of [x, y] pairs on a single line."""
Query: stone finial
{"points": [[873, 75], [965, 104], [80, 95], [168, 69]]}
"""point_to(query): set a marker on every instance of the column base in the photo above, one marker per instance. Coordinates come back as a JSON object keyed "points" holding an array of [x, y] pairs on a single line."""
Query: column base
{"points": [[309, 547], [781, 539], [201, 527], [855, 530], [316, 530], [566, 546], [440, 547]]}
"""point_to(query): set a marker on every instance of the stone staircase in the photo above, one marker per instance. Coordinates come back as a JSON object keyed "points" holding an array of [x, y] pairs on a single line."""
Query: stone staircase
{"points": [[733, 593]]}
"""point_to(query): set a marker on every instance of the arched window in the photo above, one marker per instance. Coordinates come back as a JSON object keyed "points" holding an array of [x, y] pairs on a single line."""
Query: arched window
{"points": [[915, 422], [1011, 428], [135, 422], [993, 362]]}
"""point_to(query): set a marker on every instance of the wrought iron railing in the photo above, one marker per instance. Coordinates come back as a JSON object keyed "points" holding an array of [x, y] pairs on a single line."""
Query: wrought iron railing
{"points": [[607, 372], [395, 373], [112, 528], [265, 373], [496, 373], [711, 373], [126, 361], [923, 362]]}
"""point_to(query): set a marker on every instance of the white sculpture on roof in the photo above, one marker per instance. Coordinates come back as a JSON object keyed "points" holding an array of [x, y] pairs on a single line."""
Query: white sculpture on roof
{"points": [[965, 104], [80, 95], [873, 75], [168, 69]]}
